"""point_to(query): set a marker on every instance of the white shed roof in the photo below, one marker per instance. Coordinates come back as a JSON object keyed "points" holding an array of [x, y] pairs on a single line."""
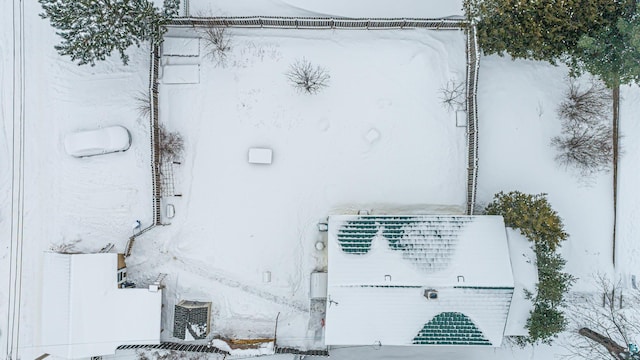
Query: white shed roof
{"points": [[379, 267], [85, 314]]}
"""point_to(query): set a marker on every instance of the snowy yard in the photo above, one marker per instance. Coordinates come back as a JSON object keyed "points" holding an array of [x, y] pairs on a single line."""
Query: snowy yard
{"points": [[517, 111], [376, 138]]}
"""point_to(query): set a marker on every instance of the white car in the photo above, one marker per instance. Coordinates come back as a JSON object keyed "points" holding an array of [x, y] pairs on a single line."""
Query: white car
{"points": [[97, 142]]}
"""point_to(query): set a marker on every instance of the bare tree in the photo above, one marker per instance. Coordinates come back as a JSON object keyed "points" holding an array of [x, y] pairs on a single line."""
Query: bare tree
{"points": [[306, 77], [217, 44], [606, 324], [452, 95], [589, 149], [171, 145]]}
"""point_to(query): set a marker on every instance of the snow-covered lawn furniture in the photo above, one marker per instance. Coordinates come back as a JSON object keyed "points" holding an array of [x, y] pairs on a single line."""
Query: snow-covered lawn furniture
{"points": [[260, 156], [181, 46]]}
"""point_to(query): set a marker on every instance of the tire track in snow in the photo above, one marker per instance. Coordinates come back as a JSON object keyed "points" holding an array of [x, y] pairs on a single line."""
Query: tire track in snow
{"points": [[17, 186], [199, 269]]}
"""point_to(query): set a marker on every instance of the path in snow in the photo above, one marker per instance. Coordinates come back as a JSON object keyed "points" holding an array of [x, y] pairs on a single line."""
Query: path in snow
{"points": [[201, 269]]}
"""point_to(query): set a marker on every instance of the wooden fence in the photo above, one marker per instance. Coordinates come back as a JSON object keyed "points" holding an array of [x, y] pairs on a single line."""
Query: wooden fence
{"points": [[214, 350], [155, 133], [177, 347], [154, 145], [372, 24], [278, 22], [288, 350], [473, 64]]}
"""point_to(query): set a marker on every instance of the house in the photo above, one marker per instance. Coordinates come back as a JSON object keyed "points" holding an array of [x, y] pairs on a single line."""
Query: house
{"points": [[418, 280], [87, 312]]}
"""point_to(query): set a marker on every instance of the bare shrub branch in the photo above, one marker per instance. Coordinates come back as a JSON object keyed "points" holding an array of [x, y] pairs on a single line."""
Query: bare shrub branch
{"points": [[65, 247], [171, 145], [217, 44], [586, 141], [307, 78], [143, 103], [589, 149], [452, 95], [589, 105], [611, 311]]}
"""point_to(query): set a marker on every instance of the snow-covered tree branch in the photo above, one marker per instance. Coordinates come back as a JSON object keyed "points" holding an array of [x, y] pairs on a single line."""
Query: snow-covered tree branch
{"points": [[92, 29]]}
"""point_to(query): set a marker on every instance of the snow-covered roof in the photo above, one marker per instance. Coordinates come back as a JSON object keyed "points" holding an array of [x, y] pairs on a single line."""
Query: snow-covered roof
{"points": [[85, 314], [381, 266], [525, 274]]}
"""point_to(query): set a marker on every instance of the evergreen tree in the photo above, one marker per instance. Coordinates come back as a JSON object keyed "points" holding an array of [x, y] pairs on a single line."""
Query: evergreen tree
{"points": [[536, 220], [612, 53], [539, 30], [545, 323], [532, 215], [92, 29]]}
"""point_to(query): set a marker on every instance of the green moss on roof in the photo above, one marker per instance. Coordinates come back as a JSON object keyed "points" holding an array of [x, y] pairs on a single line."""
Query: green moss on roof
{"points": [[450, 328]]}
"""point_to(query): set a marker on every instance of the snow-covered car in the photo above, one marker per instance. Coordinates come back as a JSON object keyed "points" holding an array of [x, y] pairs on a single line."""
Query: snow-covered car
{"points": [[97, 142]]}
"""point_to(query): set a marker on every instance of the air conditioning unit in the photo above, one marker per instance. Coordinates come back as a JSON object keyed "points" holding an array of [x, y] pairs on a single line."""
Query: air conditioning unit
{"points": [[431, 294]]}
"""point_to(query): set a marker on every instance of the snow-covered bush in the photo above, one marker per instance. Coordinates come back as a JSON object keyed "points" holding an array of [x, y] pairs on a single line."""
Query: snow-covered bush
{"points": [[589, 149], [452, 95], [171, 145], [306, 77], [217, 44], [586, 141], [532, 215], [536, 220]]}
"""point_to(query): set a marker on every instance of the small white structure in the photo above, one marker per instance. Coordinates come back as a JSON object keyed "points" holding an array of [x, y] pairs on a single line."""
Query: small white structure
{"points": [[181, 46], [181, 74], [260, 156], [85, 313], [461, 118]]}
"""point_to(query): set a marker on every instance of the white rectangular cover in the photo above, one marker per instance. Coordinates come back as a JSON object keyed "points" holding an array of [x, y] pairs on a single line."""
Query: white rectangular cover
{"points": [[180, 46], [260, 156]]}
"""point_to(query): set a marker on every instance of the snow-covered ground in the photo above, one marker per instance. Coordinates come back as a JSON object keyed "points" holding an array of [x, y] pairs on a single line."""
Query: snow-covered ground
{"points": [[517, 111], [628, 230], [94, 200], [328, 8], [236, 221], [6, 120]]}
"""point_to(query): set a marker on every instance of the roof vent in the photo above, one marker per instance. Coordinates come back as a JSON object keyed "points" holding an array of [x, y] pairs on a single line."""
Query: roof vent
{"points": [[431, 294]]}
